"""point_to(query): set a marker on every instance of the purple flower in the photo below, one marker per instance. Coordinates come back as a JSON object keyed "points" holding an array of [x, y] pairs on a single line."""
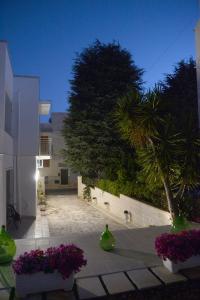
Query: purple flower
{"points": [[179, 246], [65, 259]]}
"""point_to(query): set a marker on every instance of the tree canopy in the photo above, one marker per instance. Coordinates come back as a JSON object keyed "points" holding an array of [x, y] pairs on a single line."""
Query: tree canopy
{"points": [[101, 74], [141, 144], [180, 94]]}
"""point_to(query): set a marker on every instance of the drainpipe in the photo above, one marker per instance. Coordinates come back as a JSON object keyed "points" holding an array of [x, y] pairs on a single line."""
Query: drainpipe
{"points": [[197, 38]]}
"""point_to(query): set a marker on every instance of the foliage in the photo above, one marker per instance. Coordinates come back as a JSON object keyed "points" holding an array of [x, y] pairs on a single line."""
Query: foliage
{"points": [[179, 97], [65, 259], [101, 74], [151, 194], [179, 246], [87, 193], [40, 193], [153, 155], [164, 154]]}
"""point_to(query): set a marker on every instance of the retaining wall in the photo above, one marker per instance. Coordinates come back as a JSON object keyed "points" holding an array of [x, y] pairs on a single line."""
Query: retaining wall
{"points": [[128, 210]]}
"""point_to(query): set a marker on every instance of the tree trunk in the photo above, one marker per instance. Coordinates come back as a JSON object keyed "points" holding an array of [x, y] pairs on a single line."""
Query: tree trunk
{"points": [[173, 209]]}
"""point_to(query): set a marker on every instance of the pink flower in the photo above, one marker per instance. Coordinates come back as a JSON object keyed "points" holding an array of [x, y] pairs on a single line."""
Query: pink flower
{"points": [[179, 246], [66, 259]]}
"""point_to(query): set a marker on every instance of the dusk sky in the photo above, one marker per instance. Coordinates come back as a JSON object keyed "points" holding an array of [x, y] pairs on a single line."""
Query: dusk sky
{"points": [[45, 35]]}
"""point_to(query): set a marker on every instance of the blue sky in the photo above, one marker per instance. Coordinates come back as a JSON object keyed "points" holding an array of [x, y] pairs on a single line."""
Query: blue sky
{"points": [[44, 36]]}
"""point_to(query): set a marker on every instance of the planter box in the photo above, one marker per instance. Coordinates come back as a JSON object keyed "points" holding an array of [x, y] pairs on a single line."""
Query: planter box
{"points": [[42, 282], [193, 261]]}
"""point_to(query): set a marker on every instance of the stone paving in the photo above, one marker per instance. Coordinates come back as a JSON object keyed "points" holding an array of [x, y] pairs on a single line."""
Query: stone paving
{"points": [[70, 220], [67, 214]]}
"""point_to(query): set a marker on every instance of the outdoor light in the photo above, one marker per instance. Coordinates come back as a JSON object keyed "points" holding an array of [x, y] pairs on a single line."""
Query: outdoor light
{"points": [[37, 175]]}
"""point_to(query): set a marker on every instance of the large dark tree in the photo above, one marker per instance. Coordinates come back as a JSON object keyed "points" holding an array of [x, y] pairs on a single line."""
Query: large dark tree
{"points": [[180, 94], [102, 74]]}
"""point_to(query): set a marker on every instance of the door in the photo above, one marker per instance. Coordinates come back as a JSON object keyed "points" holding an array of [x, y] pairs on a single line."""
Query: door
{"points": [[9, 187], [64, 176]]}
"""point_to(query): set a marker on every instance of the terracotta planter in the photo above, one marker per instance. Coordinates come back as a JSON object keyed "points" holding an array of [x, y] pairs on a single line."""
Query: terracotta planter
{"points": [[193, 261], [42, 282]]}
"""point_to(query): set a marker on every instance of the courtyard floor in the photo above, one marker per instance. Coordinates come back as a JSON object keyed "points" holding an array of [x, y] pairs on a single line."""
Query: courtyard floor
{"points": [[68, 215], [71, 220]]}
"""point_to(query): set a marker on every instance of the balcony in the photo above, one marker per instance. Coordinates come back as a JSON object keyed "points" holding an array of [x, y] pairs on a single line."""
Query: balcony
{"points": [[44, 107], [45, 148]]}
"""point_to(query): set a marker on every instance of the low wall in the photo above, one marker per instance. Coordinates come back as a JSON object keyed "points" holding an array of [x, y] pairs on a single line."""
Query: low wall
{"points": [[137, 212]]}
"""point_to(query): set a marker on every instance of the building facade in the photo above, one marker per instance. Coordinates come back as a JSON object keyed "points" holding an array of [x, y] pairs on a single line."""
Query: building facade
{"points": [[53, 170], [20, 107]]}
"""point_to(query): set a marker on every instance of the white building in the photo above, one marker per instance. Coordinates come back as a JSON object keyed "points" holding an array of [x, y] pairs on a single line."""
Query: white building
{"points": [[53, 170], [19, 137]]}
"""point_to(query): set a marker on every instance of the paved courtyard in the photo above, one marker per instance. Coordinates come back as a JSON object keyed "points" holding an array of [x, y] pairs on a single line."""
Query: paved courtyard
{"points": [[71, 220], [66, 215]]}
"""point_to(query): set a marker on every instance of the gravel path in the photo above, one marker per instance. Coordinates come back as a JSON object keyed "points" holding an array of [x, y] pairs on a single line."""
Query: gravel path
{"points": [[68, 215]]}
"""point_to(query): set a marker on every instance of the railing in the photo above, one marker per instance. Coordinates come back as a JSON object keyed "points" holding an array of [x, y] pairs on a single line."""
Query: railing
{"points": [[45, 148]]}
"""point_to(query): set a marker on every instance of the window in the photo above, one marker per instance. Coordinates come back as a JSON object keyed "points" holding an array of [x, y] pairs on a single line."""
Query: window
{"points": [[8, 115], [39, 163], [46, 163]]}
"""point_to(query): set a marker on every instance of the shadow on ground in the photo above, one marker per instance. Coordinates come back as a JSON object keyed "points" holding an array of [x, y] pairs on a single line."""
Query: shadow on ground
{"points": [[25, 229], [130, 253]]}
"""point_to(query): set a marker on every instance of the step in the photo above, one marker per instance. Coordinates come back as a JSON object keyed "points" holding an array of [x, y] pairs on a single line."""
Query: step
{"points": [[117, 283], [143, 279]]}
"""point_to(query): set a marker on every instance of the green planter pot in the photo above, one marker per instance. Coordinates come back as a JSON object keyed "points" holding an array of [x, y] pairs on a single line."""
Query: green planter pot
{"points": [[179, 224], [107, 240], [7, 247]]}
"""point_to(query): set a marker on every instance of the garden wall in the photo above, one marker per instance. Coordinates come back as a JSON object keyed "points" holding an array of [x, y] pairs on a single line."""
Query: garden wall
{"points": [[137, 212]]}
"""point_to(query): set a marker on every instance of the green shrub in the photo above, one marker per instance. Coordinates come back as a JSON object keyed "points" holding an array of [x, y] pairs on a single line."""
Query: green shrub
{"points": [[87, 193], [137, 189]]}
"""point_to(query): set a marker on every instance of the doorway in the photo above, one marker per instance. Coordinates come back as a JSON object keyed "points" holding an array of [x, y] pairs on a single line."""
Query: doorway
{"points": [[10, 187], [64, 176]]}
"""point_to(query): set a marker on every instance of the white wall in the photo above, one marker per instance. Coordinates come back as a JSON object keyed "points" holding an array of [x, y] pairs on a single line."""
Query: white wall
{"points": [[139, 213], [27, 185], [26, 91], [2, 194], [6, 88], [18, 151], [28, 137], [6, 141]]}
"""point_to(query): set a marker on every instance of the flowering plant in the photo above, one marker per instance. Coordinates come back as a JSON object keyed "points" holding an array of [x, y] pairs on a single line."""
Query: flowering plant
{"points": [[179, 246], [65, 259]]}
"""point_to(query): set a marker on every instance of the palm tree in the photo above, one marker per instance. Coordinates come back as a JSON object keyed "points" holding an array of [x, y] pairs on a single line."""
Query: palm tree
{"points": [[163, 153]]}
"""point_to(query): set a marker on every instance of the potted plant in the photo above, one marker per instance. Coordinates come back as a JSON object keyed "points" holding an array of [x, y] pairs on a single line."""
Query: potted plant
{"points": [[40, 271], [180, 250]]}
